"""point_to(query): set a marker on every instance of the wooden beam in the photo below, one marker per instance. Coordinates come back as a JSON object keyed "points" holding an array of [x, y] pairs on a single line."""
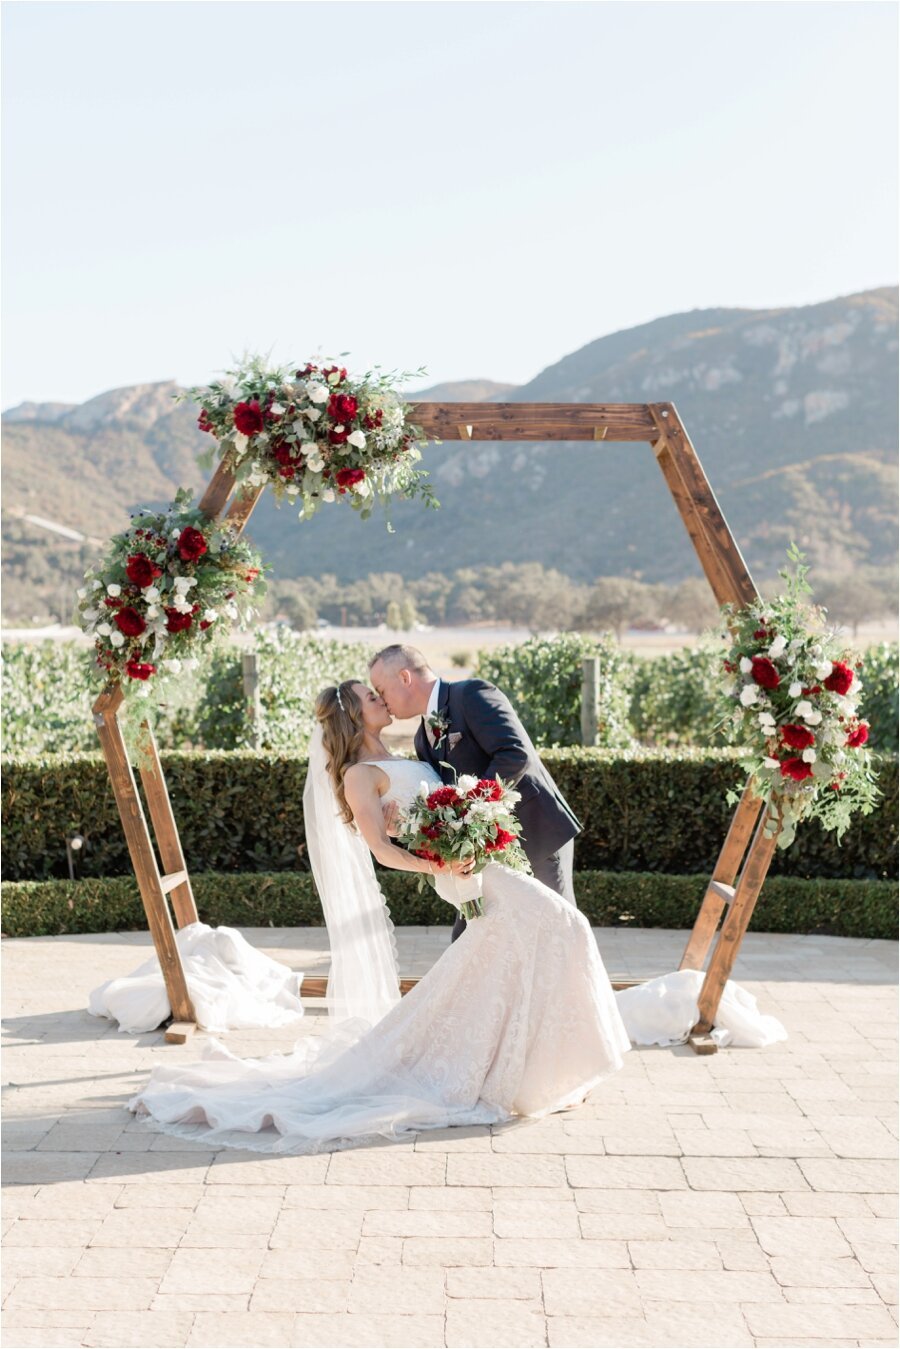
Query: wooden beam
{"points": [[143, 860], [167, 840], [217, 492], [726, 869], [534, 421], [714, 542]]}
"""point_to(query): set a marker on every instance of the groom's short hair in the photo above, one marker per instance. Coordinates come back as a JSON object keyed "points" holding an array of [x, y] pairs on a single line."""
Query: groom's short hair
{"points": [[400, 657]]}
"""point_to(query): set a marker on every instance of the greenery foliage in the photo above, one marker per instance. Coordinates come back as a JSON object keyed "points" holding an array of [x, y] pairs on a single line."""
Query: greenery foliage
{"points": [[542, 679], [643, 810], [842, 908]]}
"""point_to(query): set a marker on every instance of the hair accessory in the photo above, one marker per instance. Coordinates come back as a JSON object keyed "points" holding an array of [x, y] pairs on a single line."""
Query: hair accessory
{"points": [[339, 698]]}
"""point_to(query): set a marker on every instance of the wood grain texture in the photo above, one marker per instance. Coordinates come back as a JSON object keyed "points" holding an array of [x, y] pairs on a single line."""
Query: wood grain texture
{"points": [[740, 830], [534, 421], [167, 840], [146, 871], [212, 503], [740, 912]]}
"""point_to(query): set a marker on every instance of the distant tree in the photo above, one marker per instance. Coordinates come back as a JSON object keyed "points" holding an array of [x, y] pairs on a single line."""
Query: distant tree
{"points": [[408, 614], [614, 603], [392, 616], [851, 599], [692, 605]]}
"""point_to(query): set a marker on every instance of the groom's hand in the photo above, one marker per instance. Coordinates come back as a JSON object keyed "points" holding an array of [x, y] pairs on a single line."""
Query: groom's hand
{"points": [[391, 813]]}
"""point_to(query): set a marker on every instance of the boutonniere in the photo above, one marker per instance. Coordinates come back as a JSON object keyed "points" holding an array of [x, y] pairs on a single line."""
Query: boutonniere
{"points": [[438, 725]]}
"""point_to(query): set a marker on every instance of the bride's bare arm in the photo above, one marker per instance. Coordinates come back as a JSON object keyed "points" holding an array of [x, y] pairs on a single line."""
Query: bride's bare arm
{"points": [[361, 791]]}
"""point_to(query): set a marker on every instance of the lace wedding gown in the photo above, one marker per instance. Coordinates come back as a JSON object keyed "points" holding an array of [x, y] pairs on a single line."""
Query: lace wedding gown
{"points": [[517, 1018]]}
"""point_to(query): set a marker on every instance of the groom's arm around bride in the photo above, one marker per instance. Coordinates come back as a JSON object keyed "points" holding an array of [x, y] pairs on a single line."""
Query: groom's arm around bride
{"points": [[471, 727]]}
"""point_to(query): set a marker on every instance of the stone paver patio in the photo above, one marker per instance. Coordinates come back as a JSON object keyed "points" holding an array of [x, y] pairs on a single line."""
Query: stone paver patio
{"points": [[747, 1198]]}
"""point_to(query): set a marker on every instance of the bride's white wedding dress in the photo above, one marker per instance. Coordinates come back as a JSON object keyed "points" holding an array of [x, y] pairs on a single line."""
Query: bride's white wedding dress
{"points": [[517, 1018]]}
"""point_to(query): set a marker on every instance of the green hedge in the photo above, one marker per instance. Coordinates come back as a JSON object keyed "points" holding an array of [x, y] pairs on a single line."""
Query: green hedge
{"points": [[287, 899], [645, 810]]}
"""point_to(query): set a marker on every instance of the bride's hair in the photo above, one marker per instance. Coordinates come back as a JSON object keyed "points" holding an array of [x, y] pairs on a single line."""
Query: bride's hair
{"points": [[339, 712]]}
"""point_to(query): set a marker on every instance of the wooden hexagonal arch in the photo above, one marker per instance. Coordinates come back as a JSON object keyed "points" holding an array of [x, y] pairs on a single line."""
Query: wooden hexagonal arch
{"points": [[747, 850]]}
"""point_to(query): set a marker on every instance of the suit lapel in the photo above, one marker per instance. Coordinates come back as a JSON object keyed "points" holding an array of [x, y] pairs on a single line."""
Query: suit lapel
{"points": [[423, 745], [443, 708]]}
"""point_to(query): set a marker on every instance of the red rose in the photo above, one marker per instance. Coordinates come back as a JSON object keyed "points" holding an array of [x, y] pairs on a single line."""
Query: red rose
{"points": [[139, 669], [486, 789], [333, 370], [251, 575], [760, 633], [348, 477], [342, 407], [129, 622], [141, 571], [798, 737], [443, 796], [502, 839], [840, 679], [191, 544], [338, 437], [430, 856], [204, 624], [432, 831], [178, 622], [764, 673], [796, 769], [856, 739], [204, 423], [248, 418]]}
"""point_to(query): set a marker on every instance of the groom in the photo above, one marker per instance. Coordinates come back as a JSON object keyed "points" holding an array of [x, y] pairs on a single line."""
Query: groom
{"points": [[471, 726]]}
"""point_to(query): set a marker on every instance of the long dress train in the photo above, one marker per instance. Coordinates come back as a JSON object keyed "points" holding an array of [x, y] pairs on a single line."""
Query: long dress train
{"points": [[517, 1018]]}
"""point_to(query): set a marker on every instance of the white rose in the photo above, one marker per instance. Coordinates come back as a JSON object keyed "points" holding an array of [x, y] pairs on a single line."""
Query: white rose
{"points": [[317, 393], [151, 594], [824, 669], [749, 694], [173, 666], [292, 489], [466, 782], [309, 449], [191, 663], [185, 582], [82, 593], [175, 533], [812, 718], [746, 664], [104, 629], [90, 614], [113, 590], [771, 763], [313, 413], [766, 720], [299, 428], [777, 647], [363, 489], [803, 708], [357, 439], [116, 639], [795, 689], [240, 441], [152, 611], [328, 494], [209, 616], [277, 409], [809, 755], [182, 603], [96, 585]]}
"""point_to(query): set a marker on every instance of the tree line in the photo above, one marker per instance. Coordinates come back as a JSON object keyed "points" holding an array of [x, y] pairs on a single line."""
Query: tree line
{"points": [[541, 599]]}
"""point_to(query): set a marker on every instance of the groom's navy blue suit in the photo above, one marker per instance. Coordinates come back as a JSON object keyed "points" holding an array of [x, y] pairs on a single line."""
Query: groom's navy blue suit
{"points": [[485, 737]]}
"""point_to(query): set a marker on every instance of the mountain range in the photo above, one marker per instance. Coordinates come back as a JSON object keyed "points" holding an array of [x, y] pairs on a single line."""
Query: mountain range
{"points": [[793, 413]]}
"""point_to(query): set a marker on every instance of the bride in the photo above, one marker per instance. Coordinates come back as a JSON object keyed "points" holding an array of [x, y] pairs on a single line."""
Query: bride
{"points": [[516, 1018]]}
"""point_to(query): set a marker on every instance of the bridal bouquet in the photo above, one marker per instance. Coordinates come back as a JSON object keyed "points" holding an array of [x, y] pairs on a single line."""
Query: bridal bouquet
{"points": [[316, 434], [791, 691], [472, 819], [165, 588]]}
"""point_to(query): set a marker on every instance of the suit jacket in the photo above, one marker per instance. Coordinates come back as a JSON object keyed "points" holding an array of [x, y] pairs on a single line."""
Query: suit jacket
{"points": [[493, 743]]}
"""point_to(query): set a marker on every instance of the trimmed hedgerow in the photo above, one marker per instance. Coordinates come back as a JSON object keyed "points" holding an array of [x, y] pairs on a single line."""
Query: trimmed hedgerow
{"points": [[645, 810], [288, 899]]}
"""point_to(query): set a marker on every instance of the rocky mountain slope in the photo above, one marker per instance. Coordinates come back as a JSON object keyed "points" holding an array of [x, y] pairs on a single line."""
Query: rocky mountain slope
{"points": [[792, 411]]}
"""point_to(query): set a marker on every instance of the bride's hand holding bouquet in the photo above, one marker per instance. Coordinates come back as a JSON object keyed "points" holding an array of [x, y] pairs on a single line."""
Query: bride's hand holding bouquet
{"points": [[463, 827]]}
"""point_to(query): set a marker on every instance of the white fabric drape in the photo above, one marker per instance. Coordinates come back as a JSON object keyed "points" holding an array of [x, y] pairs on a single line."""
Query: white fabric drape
{"points": [[364, 981]]}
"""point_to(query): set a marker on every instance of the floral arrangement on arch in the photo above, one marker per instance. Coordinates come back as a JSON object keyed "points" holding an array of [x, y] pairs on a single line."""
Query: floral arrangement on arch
{"points": [[791, 691], [166, 587], [316, 434]]}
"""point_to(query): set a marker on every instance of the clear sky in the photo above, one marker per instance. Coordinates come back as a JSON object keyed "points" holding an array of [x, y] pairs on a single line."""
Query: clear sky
{"points": [[476, 187]]}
